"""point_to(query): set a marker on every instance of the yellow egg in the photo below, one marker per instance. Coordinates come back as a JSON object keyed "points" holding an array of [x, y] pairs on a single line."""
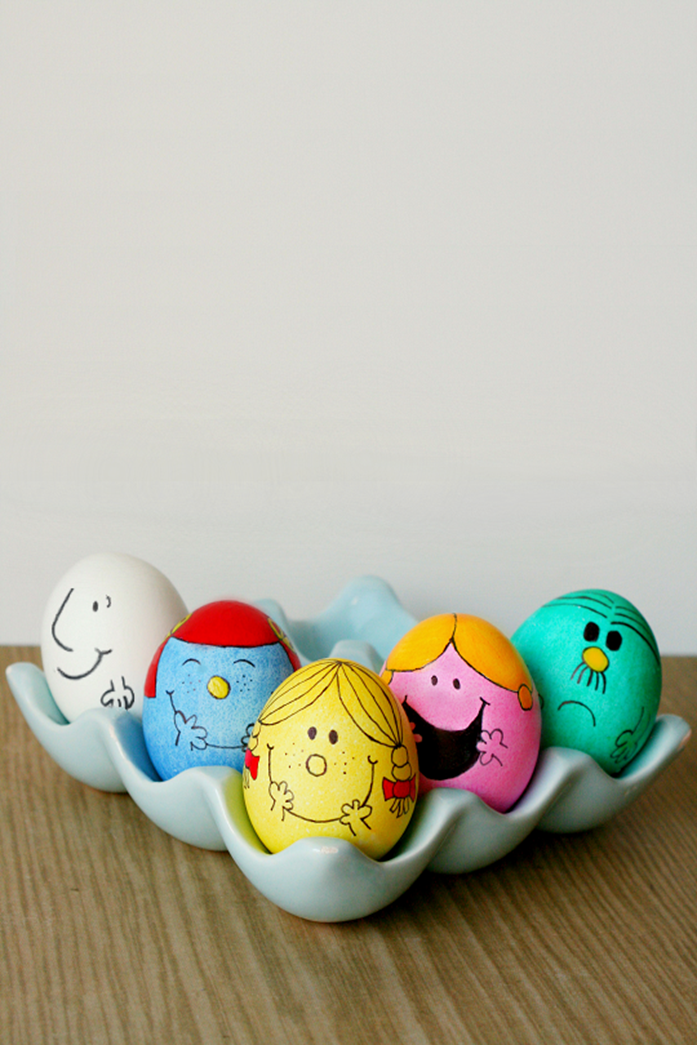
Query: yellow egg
{"points": [[331, 754]]}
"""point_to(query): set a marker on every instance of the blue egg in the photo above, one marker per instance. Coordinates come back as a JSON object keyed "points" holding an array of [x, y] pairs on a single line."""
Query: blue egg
{"points": [[203, 699]]}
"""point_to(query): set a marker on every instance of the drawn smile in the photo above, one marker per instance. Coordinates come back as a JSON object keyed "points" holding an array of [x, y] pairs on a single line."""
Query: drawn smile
{"points": [[100, 654], [579, 704], [290, 806], [446, 753]]}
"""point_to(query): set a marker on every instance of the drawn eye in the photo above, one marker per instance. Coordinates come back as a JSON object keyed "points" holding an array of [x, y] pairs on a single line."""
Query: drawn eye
{"points": [[591, 631], [456, 683], [312, 732], [434, 680], [95, 607], [333, 736], [614, 640]]}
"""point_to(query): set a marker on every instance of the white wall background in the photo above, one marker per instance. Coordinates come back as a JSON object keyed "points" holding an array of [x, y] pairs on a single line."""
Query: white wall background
{"points": [[292, 292]]}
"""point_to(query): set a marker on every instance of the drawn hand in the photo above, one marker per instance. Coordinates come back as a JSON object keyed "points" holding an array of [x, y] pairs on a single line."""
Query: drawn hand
{"points": [[194, 736], [628, 742], [354, 815], [281, 796], [491, 747], [417, 736], [244, 742], [123, 699]]}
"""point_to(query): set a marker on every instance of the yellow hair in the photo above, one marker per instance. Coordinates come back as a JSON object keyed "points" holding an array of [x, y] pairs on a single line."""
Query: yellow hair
{"points": [[365, 698]]}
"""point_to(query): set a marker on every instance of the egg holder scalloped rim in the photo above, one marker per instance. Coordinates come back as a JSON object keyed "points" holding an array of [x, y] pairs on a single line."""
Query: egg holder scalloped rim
{"points": [[326, 879]]}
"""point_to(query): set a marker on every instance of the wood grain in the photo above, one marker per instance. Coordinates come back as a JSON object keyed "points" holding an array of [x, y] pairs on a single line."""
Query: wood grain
{"points": [[111, 931]]}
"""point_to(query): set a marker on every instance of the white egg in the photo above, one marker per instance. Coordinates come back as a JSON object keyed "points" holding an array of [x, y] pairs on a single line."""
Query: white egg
{"points": [[102, 625]]}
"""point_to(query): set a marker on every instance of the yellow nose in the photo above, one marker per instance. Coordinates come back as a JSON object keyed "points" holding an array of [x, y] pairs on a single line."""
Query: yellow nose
{"points": [[218, 688], [595, 658]]}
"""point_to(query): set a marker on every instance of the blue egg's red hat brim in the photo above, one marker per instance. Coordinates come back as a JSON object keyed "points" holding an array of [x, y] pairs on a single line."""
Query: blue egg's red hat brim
{"points": [[224, 623]]}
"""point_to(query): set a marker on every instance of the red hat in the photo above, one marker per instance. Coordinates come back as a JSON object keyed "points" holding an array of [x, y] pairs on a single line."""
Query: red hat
{"points": [[224, 623]]}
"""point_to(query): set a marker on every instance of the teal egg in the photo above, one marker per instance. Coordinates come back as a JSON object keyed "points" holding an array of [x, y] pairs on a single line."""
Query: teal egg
{"points": [[597, 669]]}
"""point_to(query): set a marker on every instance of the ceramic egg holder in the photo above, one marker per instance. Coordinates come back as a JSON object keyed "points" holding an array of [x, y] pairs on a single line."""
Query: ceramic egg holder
{"points": [[326, 879]]}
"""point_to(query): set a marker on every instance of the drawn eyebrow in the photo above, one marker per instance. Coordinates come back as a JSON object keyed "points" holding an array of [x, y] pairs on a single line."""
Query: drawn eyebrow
{"points": [[647, 639], [580, 603], [191, 660], [580, 597], [636, 617]]}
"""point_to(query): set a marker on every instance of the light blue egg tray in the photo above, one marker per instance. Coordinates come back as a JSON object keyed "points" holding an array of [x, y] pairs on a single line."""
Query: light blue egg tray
{"points": [[328, 879]]}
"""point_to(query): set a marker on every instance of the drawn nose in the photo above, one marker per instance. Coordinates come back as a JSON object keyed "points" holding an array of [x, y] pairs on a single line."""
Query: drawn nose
{"points": [[595, 658], [316, 765], [218, 687]]}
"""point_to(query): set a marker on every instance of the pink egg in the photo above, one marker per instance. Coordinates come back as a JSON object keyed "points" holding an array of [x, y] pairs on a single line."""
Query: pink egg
{"points": [[472, 705]]}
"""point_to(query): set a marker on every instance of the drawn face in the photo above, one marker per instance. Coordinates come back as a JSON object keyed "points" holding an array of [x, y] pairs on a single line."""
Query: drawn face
{"points": [[101, 626], [315, 771], [206, 701], [446, 702], [87, 621], [324, 759], [596, 664], [470, 732]]}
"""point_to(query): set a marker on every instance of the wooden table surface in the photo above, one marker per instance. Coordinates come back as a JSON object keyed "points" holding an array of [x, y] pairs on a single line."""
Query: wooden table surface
{"points": [[111, 931]]}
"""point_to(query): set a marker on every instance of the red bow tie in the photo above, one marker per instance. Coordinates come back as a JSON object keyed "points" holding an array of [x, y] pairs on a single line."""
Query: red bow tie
{"points": [[399, 788]]}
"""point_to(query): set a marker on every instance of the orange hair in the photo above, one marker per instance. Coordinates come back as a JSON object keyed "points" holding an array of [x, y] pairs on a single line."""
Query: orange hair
{"points": [[479, 643]]}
